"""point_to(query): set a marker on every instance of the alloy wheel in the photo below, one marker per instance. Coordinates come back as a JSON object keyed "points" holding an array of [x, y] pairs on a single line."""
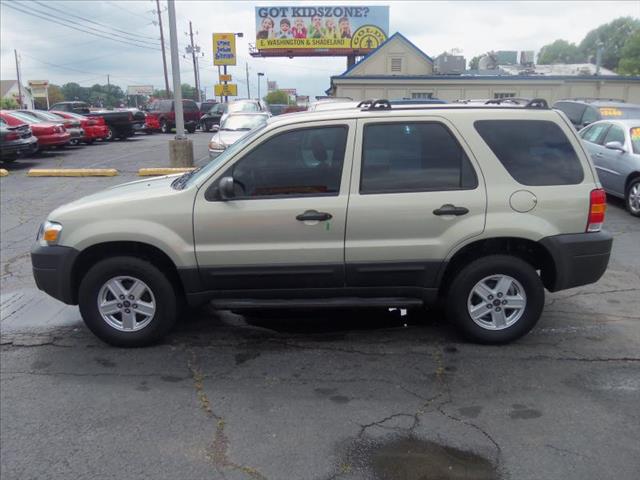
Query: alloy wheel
{"points": [[633, 198], [497, 302], [126, 303]]}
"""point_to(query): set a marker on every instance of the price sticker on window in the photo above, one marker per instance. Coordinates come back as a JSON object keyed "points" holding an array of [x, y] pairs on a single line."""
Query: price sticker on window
{"points": [[635, 133], [610, 112]]}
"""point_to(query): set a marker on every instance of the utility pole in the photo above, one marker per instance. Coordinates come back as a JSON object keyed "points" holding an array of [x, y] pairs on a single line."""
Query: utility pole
{"points": [[164, 57], [193, 50], [19, 79], [248, 89], [108, 90]]}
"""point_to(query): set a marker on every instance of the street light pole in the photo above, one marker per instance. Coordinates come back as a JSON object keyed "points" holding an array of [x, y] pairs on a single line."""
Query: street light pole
{"points": [[164, 58], [180, 149], [260, 74]]}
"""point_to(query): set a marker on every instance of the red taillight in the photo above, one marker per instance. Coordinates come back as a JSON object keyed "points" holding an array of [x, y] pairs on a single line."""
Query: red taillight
{"points": [[11, 136], [597, 208]]}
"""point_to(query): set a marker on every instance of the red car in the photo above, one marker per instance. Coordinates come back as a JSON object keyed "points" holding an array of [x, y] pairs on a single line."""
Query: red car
{"points": [[94, 128], [49, 134], [151, 123], [164, 113]]}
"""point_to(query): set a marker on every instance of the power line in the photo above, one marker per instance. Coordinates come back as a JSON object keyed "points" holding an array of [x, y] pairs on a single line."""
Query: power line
{"points": [[43, 17], [94, 22]]}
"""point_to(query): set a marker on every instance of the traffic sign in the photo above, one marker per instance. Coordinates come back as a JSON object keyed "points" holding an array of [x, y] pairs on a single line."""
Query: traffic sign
{"points": [[226, 89]]}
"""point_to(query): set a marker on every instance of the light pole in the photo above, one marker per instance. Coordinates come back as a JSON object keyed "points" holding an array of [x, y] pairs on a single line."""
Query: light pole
{"points": [[260, 74], [239, 35]]}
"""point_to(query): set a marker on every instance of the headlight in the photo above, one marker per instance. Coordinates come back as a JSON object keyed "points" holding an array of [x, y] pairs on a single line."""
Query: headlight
{"points": [[216, 146], [49, 233]]}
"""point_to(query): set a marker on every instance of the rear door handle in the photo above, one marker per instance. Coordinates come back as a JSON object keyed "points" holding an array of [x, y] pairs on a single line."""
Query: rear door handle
{"points": [[448, 209], [311, 215]]}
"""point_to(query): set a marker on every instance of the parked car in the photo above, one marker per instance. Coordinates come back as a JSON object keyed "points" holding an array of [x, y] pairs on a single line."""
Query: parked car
{"points": [[16, 141], [49, 134], [480, 208], [205, 106], [164, 112], [244, 106], [151, 123], [235, 126], [583, 112], [94, 127], [213, 116], [120, 123], [278, 108], [72, 126], [614, 146]]}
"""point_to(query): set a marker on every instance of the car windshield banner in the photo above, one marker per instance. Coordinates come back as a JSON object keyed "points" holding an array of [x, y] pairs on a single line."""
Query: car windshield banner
{"points": [[344, 30]]}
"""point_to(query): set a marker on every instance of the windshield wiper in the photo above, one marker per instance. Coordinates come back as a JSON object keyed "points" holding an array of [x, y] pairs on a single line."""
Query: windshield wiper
{"points": [[180, 182]]}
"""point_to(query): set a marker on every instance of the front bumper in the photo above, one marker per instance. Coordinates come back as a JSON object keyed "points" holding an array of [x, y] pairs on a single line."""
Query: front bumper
{"points": [[579, 259], [52, 271]]}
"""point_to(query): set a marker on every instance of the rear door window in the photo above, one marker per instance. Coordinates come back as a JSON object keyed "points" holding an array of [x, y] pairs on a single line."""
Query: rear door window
{"points": [[189, 106], [534, 152], [413, 157], [572, 110], [590, 115]]}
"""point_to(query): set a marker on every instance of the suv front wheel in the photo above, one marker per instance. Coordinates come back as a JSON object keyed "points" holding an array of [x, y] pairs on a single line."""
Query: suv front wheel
{"points": [[127, 302], [633, 197], [495, 299]]}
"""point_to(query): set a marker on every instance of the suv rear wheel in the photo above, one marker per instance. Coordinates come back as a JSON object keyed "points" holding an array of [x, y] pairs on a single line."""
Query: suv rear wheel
{"points": [[127, 302], [495, 299], [164, 126], [633, 197]]}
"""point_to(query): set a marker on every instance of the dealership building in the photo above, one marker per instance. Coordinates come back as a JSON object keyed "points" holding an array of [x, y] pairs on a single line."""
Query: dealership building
{"points": [[398, 69]]}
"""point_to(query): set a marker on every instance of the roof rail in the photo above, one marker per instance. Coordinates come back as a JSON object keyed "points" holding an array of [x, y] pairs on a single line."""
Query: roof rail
{"points": [[378, 104], [594, 99]]}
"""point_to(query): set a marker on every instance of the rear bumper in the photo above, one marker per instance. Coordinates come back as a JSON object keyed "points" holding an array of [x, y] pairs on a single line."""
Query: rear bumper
{"points": [[579, 259], [19, 147], [52, 271]]}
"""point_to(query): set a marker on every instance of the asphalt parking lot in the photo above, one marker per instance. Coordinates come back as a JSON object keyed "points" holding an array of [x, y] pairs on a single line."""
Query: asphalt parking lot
{"points": [[308, 395]]}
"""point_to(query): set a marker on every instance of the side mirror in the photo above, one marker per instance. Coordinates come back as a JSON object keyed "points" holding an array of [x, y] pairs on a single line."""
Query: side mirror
{"points": [[586, 124], [225, 187], [615, 146], [215, 128]]}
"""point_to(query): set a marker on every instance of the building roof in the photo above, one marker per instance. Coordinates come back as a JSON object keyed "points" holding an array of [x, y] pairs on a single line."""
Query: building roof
{"points": [[577, 69], [509, 78], [5, 86], [396, 35]]}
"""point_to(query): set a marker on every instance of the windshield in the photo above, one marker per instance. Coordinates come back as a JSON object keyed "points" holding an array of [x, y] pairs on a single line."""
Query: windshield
{"points": [[620, 112], [50, 116], [205, 171], [243, 122], [243, 107], [635, 139]]}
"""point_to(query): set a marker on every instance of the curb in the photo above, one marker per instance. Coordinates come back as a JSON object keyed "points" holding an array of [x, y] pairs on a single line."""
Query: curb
{"points": [[72, 172], [148, 172], [3, 172]]}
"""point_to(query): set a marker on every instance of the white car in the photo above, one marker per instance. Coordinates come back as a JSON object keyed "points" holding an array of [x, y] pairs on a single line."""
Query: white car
{"points": [[233, 128]]}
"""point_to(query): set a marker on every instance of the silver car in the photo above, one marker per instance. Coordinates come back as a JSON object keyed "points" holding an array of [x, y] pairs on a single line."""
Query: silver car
{"points": [[614, 146], [233, 128]]}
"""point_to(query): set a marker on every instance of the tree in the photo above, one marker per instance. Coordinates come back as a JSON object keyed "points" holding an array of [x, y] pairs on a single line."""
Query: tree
{"points": [[474, 63], [8, 104], [188, 92], [560, 51], [613, 36], [630, 56], [55, 94], [277, 97], [73, 91]]}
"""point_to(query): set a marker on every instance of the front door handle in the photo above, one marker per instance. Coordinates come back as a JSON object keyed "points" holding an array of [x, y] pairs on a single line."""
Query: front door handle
{"points": [[448, 209], [310, 215]]}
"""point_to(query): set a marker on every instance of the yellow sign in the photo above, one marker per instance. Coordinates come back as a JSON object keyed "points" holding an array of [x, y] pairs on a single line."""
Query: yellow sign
{"points": [[224, 49], [635, 133], [226, 90], [610, 112], [225, 78]]}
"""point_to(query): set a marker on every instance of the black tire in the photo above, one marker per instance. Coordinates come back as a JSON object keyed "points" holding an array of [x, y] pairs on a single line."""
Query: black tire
{"points": [[91, 141], [205, 127], [164, 127], [634, 186], [191, 129], [469, 276], [160, 286], [110, 134]]}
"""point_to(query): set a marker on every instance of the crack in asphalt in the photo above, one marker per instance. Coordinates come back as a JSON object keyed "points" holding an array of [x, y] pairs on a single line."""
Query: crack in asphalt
{"points": [[217, 453]]}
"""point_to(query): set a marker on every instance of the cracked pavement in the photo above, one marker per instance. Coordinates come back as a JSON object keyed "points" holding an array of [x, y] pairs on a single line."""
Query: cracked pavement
{"points": [[309, 395]]}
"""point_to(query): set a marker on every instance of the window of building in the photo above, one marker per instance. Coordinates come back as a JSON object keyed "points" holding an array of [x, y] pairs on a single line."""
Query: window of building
{"points": [[413, 157], [504, 95], [418, 95], [303, 162], [396, 64], [534, 152]]}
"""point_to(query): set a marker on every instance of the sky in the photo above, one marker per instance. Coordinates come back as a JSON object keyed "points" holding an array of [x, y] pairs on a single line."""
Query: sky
{"points": [[50, 51]]}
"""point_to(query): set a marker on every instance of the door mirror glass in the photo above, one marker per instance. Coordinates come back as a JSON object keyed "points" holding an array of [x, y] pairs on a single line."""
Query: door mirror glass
{"points": [[225, 187], [615, 145]]}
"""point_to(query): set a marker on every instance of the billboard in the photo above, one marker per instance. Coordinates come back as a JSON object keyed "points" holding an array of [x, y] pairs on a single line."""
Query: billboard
{"points": [[321, 30], [224, 49], [225, 90], [140, 90], [39, 88]]}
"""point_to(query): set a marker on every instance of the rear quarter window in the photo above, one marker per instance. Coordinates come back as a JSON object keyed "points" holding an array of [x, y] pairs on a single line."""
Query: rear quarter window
{"points": [[534, 152]]}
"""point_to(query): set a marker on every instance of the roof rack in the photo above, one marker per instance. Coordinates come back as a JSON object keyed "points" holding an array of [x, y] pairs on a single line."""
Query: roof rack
{"points": [[383, 104]]}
